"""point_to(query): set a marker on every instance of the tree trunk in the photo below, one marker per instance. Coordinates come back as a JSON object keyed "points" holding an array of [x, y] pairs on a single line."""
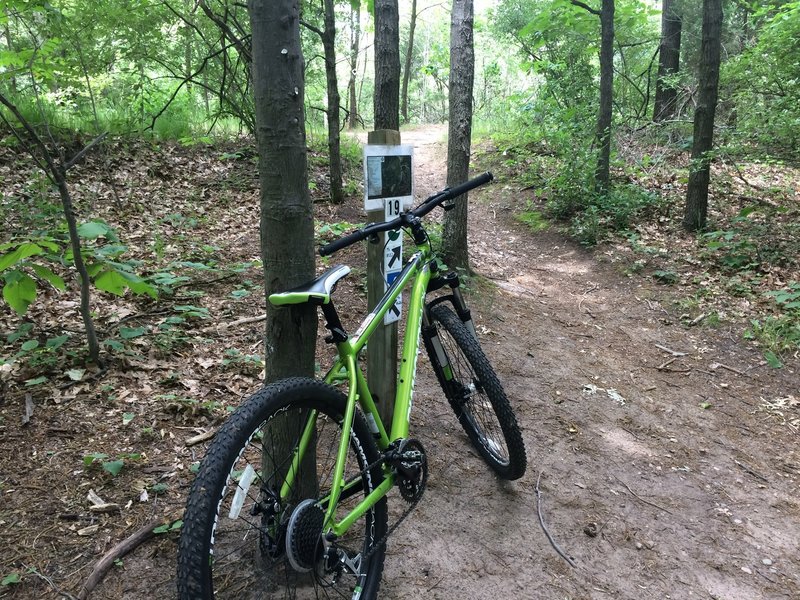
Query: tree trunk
{"points": [[668, 62], [387, 65], [694, 216], [602, 173], [287, 225], [334, 154], [355, 42], [409, 57], [462, 74]]}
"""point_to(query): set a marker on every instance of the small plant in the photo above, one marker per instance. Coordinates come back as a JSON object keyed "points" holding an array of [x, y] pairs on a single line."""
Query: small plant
{"points": [[250, 363], [110, 466]]}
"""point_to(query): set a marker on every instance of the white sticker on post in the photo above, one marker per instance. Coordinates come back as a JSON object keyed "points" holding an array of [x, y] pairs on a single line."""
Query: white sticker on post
{"points": [[388, 173]]}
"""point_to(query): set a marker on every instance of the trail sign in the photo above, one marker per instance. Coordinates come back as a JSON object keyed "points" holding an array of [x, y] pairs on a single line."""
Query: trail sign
{"points": [[393, 258], [388, 174]]}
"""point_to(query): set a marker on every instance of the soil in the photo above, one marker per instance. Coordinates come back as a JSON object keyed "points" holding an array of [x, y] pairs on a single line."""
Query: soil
{"points": [[662, 457]]}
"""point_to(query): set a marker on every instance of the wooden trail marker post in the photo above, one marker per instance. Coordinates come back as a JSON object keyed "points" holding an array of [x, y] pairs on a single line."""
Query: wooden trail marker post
{"points": [[388, 188]]}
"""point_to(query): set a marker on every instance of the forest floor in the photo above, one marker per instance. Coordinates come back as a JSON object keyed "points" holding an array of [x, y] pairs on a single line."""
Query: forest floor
{"points": [[665, 453]]}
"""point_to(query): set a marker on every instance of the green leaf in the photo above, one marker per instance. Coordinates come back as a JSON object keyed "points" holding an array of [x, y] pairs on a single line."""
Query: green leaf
{"points": [[76, 374], [30, 345], [115, 282], [129, 333], [23, 330], [19, 292], [93, 230], [113, 467], [112, 282], [114, 345], [169, 527], [56, 342], [46, 274], [127, 417], [88, 459], [22, 252], [36, 381], [772, 359], [705, 405], [10, 579]]}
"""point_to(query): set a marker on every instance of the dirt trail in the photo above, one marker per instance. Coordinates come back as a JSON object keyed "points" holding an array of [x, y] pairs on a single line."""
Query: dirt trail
{"points": [[650, 493]]}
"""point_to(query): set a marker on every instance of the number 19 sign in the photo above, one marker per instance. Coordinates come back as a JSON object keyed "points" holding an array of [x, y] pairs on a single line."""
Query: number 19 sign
{"points": [[389, 187]]}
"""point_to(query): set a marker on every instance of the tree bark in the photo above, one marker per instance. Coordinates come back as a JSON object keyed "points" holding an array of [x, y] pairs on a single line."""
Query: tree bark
{"points": [[696, 211], [355, 42], [602, 172], [287, 225], [668, 61], [409, 57], [387, 65], [334, 154], [462, 74]]}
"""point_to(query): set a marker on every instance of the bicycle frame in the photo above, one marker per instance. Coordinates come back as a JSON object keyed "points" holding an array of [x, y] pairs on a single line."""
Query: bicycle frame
{"points": [[418, 271]]}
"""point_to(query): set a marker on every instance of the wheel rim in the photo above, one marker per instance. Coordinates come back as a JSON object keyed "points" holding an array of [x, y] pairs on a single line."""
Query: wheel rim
{"points": [[249, 558], [472, 401]]}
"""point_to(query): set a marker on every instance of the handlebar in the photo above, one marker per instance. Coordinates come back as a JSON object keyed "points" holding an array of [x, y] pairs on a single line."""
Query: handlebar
{"points": [[420, 211]]}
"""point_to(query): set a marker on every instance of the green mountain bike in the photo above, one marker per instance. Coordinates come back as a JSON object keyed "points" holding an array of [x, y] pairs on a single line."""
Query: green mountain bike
{"points": [[290, 498]]}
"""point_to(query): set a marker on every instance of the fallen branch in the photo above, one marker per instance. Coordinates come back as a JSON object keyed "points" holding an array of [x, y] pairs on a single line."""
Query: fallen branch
{"points": [[663, 366], [715, 366], [245, 321], [751, 471], [544, 528], [638, 497], [126, 546], [207, 435], [670, 350]]}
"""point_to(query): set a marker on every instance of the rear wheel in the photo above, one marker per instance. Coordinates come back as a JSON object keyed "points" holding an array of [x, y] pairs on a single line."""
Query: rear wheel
{"points": [[244, 537], [475, 394]]}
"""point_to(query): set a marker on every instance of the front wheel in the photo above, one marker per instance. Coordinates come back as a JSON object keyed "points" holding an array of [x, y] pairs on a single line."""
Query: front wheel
{"points": [[475, 394], [253, 526]]}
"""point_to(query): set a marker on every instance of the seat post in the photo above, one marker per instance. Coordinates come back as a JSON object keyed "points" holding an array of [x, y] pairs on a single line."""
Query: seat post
{"points": [[334, 324]]}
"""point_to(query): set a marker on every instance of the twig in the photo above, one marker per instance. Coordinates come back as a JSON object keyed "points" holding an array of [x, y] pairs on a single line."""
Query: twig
{"points": [[749, 470], [715, 366], [192, 441], [26, 416], [670, 351], [49, 582], [697, 320], [583, 297], [663, 366], [123, 548], [233, 323], [635, 495], [544, 528]]}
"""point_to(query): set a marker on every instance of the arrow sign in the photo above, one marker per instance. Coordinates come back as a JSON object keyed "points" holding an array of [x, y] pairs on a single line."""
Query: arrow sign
{"points": [[395, 256]]}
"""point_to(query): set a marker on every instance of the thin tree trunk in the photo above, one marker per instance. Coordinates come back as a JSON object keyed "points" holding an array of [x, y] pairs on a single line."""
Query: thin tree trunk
{"points": [[9, 43], [355, 42], [696, 211], [462, 74], [668, 62], [333, 113], [602, 173], [287, 225], [409, 57], [387, 65]]}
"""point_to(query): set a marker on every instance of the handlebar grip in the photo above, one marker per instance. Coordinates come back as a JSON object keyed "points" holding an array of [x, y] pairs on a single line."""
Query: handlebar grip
{"points": [[342, 242], [469, 185]]}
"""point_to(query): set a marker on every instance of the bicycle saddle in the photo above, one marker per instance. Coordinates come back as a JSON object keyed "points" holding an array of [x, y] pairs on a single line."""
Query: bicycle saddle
{"points": [[316, 292]]}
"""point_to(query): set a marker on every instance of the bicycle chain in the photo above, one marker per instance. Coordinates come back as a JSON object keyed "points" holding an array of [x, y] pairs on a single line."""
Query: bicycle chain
{"points": [[399, 521]]}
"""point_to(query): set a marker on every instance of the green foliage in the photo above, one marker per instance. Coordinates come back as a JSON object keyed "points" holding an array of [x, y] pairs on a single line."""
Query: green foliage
{"points": [[779, 334], [764, 81], [28, 263]]}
